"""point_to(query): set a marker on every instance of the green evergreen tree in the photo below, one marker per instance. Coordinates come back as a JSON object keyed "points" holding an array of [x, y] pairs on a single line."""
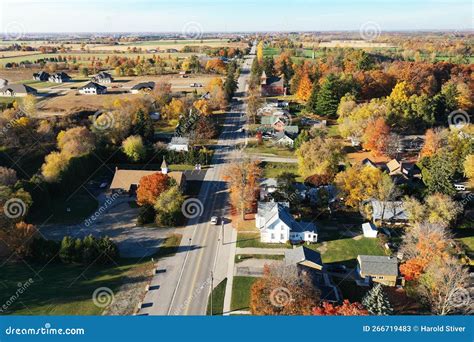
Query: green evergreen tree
{"points": [[438, 173], [268, 66], [376, 302], [230, 84], [311, 105], [328, 98], [144, 125]]}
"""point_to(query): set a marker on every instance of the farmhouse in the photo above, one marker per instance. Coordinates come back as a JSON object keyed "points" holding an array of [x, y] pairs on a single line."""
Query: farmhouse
{"points": [[378, 269], [59, 77], [92, 88], [179, 144], [143, 87], [303, 256], [277, 225], [41, 76], [128, 180], [17, 90], [272, 86], [102, 77]]}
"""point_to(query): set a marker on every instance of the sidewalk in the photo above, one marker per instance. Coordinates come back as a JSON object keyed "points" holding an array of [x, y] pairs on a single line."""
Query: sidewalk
{"points": [[230, 275], [266, 251]]}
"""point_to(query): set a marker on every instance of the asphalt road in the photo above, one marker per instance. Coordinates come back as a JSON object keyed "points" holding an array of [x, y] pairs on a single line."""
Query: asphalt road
{"points": [[183, 282], [192, 293]]}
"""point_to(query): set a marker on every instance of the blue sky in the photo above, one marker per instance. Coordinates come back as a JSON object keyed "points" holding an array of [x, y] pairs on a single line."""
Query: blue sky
{"points": [[227, 15]]}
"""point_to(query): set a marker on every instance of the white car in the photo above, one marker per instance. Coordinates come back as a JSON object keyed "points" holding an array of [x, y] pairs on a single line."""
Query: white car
{"points": [[215, 220]]}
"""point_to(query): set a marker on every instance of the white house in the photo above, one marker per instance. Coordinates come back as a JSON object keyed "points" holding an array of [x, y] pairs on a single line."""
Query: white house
{"points": [[102, 77], [267, 186], [17, 90], [369, 230], [92, 88], [277, 225], [144, 87], [282, 139], [179, 144]]}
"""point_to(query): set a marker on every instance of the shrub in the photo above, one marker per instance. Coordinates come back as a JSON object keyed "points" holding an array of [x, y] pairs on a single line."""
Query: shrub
{"points": [[146, 214]]}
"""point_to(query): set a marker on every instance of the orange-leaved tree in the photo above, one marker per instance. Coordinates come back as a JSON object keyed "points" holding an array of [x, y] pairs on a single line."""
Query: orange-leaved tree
{"points": [[151, 187], [376, 137], [243, 185], [304, 88], [345, 309], [283, 290]]}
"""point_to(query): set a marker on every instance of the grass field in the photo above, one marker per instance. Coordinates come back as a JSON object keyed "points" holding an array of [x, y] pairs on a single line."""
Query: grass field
{"points": [[346, 250], [273, 170], [242, 257], [241, 292], [59, 289], [245, 240], [269, 149], [218, 295]]}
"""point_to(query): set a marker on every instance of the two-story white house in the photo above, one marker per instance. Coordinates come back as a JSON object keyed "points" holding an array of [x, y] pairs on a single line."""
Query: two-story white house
{"points": [[277, 225]]}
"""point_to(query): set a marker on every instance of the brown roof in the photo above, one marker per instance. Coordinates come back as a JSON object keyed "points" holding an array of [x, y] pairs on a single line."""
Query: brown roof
{"points": [[393, 166], [124, 179]]}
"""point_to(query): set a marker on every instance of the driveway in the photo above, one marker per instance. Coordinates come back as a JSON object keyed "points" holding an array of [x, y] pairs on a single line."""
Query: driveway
{"points": [[119, 223]]}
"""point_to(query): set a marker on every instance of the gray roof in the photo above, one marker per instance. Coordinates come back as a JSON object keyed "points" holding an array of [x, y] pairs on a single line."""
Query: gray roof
{"points": [[18, 89], [378, 264], [93, 85], [179, 141], [291, 129], [281, 135], [269, 182], [301, 254], [394, 210], [144, 85]]}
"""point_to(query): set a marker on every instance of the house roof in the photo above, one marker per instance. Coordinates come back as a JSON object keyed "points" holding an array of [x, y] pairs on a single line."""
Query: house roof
{"points": [[378, 265], [124, 179], [93, 85], [61, 74], [104, 74], [281, 135], [393, 165], [269, 182], [394, 210], [291, 129], [302, 254], [368, 162], [275, 81], [144, 85], [368, 227], [277, 212], [18, 89], [41, 74], [269, 120], [179, 141]]}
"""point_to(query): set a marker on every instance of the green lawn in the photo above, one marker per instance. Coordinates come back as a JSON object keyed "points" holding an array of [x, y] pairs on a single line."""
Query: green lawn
{"points": [[273, 170], [242, 257], [59, 289], [241, 292], [245, 240], [80, 205], [269, 149], [218, 294], [346, 250]]}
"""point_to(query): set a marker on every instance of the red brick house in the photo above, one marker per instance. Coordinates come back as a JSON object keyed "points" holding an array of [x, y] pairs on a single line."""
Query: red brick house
{"points": [[272, 86]]}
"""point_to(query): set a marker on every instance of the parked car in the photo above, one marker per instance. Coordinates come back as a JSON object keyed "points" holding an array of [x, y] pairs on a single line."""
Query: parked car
{"points": [[214, 220], [460, 187]]}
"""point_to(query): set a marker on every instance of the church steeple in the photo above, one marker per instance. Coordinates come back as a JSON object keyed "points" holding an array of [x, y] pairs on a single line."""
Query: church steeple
{"points": [[164, 167]]}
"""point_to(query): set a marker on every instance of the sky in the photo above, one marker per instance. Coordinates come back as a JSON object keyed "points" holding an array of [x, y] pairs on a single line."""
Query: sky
{"points": [[231, 16]]}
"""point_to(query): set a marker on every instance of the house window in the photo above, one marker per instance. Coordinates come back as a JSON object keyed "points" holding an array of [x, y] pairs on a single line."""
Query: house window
{"points": [[282, 236], [273, 236]]}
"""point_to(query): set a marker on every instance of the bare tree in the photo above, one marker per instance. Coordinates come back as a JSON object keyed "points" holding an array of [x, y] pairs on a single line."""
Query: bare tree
{"points": [[443, 286]]}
